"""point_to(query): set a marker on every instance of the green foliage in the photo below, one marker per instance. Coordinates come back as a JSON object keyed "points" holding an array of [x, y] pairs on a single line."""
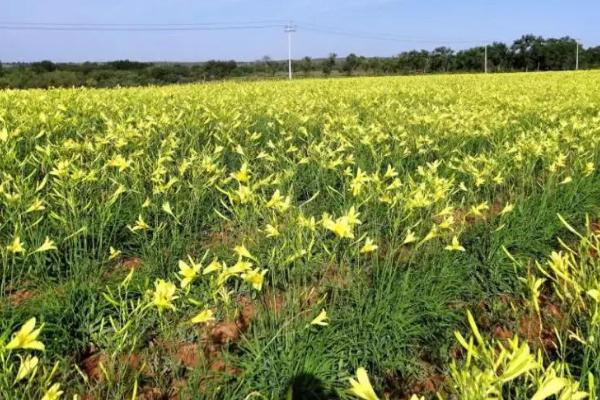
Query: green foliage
{"points": [[528, 53], [241, 240]]}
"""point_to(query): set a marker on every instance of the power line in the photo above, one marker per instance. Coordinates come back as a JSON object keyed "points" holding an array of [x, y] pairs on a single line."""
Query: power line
{"points": [[136, 29], [135, 24], [215, 26], [380, 36]]}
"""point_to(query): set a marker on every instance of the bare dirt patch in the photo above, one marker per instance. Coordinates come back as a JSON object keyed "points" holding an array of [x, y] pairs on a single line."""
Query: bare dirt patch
{"points": [[20, 297]]}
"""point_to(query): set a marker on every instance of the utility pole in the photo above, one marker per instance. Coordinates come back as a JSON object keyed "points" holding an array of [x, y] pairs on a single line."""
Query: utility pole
{"points": [[289, 29], [485, 63]]}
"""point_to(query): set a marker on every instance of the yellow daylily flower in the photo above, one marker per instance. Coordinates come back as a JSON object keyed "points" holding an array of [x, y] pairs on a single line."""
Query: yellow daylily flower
{"points": [[361, 387], [16, 246], [243, 175], [203, 317], [396, 184], [140, 225], [390, 172], [166, 207], [447, 223], [352, 216], [594, 294], [239, 267], [321, 319], [112, 253], [164, 295], [309, 223], [214, 266], [589, 168], [271, 231], [188, 272], [46, 246], [455, 245], [550, 387], [341, 227], [498, 179], [279, 202], [26, 337], [357, 183], [369, 246], [568, 179], [255, 277], [244, 194], [410, 237], [446, 211], [119, 162], [432, 234], [27, 367], [479, 209], [507, 208], [37, 205], [242, 251], [54, 393]]}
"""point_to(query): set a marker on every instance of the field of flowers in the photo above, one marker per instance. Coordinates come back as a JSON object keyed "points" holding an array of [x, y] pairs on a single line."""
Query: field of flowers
{"points": [[367, 238]]}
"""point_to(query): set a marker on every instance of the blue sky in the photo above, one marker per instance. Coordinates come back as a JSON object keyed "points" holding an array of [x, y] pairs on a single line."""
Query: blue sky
{"points": [[427, 23]]}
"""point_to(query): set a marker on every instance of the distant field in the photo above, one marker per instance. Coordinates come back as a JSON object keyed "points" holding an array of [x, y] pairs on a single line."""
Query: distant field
{"points": [[271, 239]]}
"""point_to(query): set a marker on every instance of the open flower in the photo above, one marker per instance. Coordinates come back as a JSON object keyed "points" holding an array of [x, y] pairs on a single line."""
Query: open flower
{"points": [[214, 266], [203, 317], [140, 225], [164, 295], [255, 277], [507, 208], [16, 246], [369, 246], [362, 388], [479, 209], [279, 202], [46, 246], [271, 231], [242, 251], [119, 162], [53, 393], [410, 237], [357, 183], [27, 366], [113, 253], [188, 272], [455, 245], [26, 337], [243, 175], [321, 319], [166, 207], [341, 227]]}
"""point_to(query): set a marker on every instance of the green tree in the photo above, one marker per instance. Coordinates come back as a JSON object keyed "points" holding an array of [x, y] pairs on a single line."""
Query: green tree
{"points": [[499, 57], [441, 59], [528, 52], [559, 54], [329, 64], [351, 63], [270, 66], [306, 65], [471, 60], [43, 66]]}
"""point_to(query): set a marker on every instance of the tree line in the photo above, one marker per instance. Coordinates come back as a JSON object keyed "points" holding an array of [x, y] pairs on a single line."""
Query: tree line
{"points": [[528, 53]]}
